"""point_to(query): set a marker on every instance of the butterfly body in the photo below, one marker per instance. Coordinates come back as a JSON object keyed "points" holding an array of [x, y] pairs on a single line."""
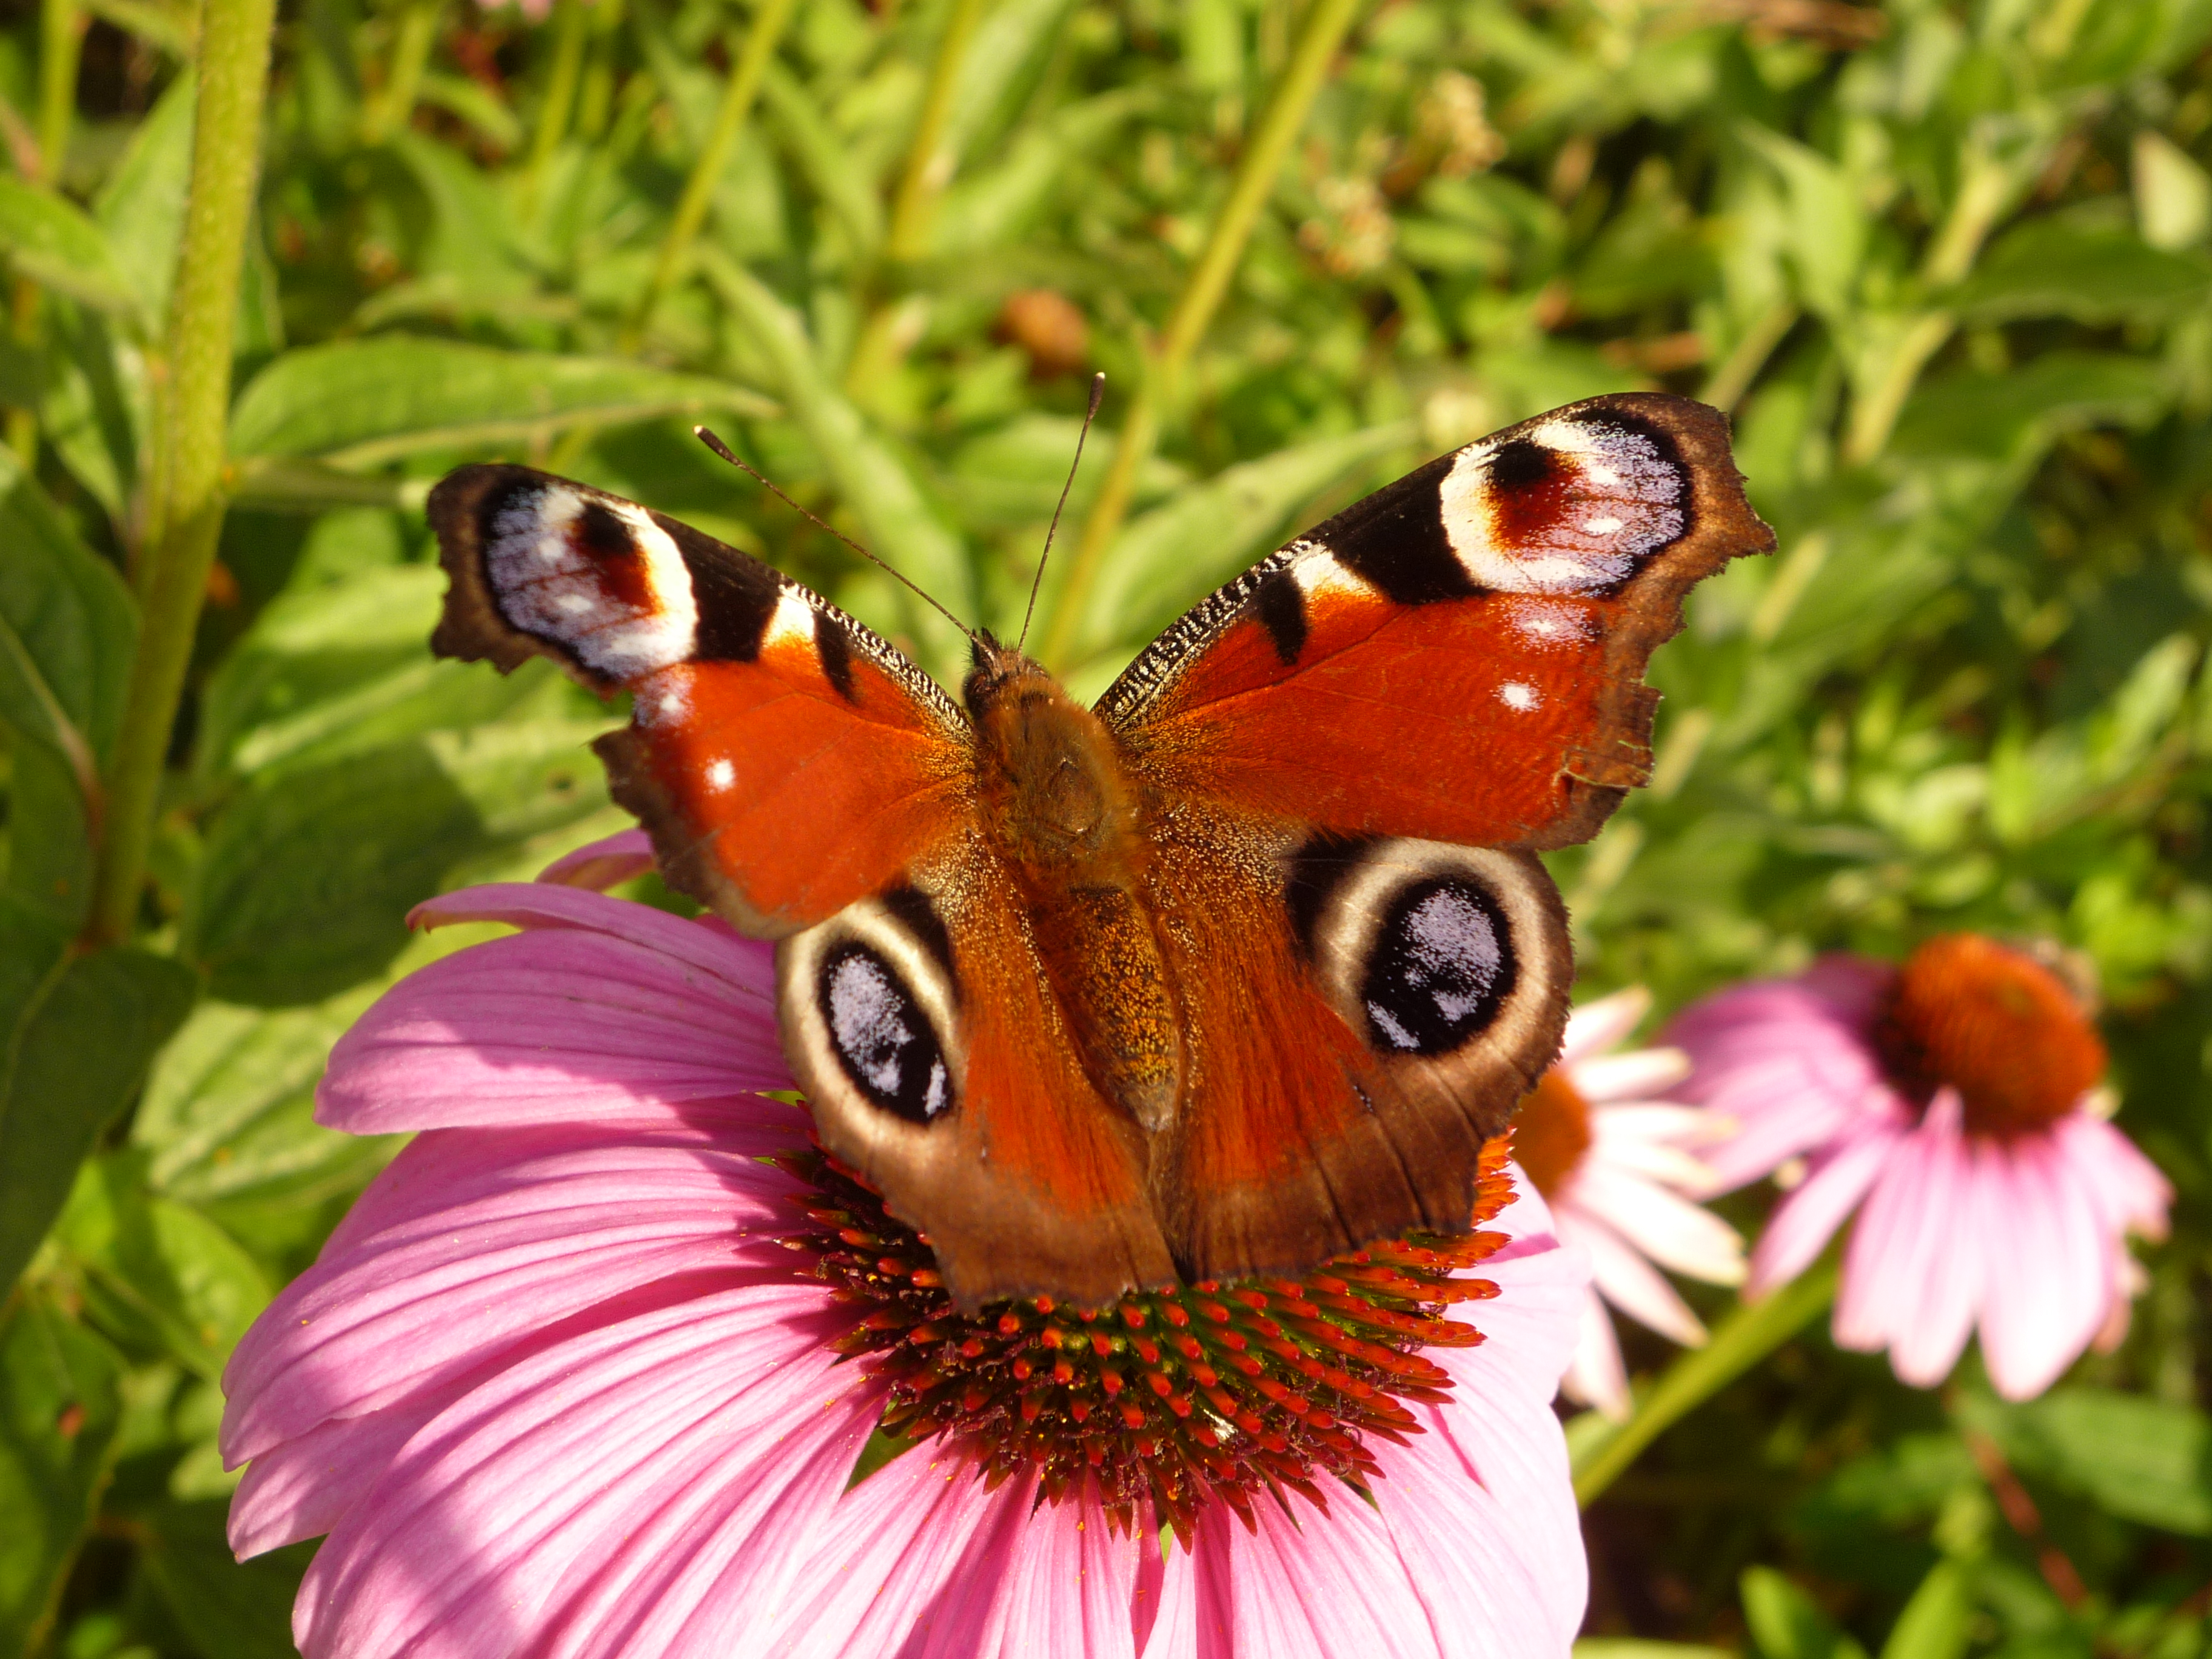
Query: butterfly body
{"points": [[1233, 972]]}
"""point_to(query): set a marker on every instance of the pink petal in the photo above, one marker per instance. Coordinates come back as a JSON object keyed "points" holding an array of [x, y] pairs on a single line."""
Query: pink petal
{"points": [[2053, 1271], [1670, 1229], [1639, 1074], [1306, 1585], [1596, 1376], [921, 1559], [1595, 1027], [561, 1025], [1801, 1225], [639, 1489], [471, 1242], [600, 865], [2131, 1193], [1631, 1284]]}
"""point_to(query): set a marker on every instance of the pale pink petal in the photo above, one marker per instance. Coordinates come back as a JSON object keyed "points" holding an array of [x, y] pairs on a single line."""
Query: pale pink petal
{"points": [[1944, 1264], [602, 864], [561, 1025], [1648, 1123], [1670, 1229], [1597, 1376], [2052, 1272], [1594, 1027], [923, 1560], [1808, 1217], [639, 1488], [469, 1243], [1639, 1074], [1305, 1585], [1628, 1281], [2131, 1193]]}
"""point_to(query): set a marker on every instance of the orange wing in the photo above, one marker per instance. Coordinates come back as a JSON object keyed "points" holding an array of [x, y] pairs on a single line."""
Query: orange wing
{"points": [[1352, 751], [785, 760], [1460, 657]]}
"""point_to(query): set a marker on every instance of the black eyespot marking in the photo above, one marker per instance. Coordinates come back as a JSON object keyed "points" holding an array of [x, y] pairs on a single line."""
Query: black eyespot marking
{"points": [[1441, 966], [1282, 611], [1312, 875], [911, 908], [835, 650], [880, 1035], [1521, 466], [599, 532]]}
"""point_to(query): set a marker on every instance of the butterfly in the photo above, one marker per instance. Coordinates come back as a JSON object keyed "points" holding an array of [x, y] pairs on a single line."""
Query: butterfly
{"points": [[1232, 973]]}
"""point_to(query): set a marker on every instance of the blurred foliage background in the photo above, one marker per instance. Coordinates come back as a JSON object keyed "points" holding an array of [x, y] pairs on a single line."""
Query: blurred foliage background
{"points": [[1948, 265]]}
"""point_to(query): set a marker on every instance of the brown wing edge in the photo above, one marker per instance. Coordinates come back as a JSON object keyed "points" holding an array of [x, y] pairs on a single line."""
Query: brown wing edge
{"points": [[684, 862], [471, 628], [1722, 526]]}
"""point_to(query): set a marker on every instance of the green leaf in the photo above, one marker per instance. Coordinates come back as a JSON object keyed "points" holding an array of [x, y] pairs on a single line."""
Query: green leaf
{"points": [[60, 1408], [2014, 414], [50, 837], [1823, 228], [827, 160], [97, 409], [75, 1056], [157, 1272], [67, 627], [2048, 268], [1167, 559], [235, 1609], [58, 247], [141, 207], [1786, 1624], [1934, 1624], [347, 666], [898, 522], [228, 1113], [309, 872], [2143, 1459], [359, 403]]}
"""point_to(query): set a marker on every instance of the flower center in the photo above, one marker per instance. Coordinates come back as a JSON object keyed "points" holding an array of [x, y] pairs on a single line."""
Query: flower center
{"points": [[1166, 1398], [1994, 1024], [1551, 1132]]}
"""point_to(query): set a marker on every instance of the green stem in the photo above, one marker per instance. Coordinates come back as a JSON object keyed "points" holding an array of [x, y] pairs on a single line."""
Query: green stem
{"points": [[1739, 1341], [61, 43], [234, 77], [571, 25], [394, 108], [927, 171], [706, 172], [1319, 35]]}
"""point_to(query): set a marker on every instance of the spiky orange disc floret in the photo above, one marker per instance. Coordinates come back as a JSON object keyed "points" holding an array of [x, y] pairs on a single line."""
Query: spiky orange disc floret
{"points": [[1168, 1399]]}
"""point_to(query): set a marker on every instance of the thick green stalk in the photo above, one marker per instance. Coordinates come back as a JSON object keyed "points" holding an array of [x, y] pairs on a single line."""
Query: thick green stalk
{"points": [[571, 25], [926, 172], [1319, 35], [393, 108], [233, 78], [713, 155], [1739, 1341]]}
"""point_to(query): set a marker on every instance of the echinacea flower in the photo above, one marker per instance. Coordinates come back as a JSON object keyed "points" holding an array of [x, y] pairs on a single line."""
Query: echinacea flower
{"points": [[587, 1369], [1607, 1151], [1954, 1103]]}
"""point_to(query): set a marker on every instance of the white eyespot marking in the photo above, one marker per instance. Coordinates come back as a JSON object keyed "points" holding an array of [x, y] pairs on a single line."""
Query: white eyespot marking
{"points": [[873, 1023], [1514, 694], [1319, 573], [1550, 625], [793, 623], [1567, 507], [721, 776], [595, 574]]}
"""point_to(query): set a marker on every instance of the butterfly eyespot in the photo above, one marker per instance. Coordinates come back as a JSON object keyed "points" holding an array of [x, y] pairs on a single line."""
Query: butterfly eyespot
{"points": [[880, 1035], [1432, 953], [870, 1020], [1441, 963]]}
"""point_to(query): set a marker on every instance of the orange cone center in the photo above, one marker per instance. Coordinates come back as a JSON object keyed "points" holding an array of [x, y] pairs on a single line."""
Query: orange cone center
{"points": [[1552, 1133]]}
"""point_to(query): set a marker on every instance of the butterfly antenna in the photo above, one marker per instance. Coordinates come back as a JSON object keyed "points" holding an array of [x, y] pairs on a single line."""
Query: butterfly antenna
{"points": [[1097, 391], [743, 465]]}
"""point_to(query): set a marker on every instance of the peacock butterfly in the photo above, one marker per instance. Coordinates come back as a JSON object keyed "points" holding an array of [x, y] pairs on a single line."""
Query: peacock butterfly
{"points": [[1232, 973]]}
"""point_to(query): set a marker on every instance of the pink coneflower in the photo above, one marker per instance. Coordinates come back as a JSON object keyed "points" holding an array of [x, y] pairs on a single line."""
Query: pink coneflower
{"points": [[1959, 1097], [1607, 1154], [586, 1369]]}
